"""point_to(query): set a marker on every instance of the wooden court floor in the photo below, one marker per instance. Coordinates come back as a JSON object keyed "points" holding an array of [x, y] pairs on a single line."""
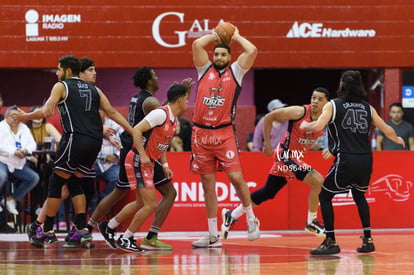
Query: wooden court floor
{"points": [[275, 252]]}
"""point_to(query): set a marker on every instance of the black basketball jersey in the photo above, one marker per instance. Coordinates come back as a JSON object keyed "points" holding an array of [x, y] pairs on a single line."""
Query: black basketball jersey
{"points": [[348, 130], [79, 110], [135, 115]]}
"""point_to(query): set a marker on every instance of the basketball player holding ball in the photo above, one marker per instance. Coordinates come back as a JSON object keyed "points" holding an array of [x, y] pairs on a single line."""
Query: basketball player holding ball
{"points": [[214, 146]]}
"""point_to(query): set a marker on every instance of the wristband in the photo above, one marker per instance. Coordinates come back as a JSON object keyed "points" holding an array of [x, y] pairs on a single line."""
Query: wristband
{"points": [[165, 165], [268, 145]]}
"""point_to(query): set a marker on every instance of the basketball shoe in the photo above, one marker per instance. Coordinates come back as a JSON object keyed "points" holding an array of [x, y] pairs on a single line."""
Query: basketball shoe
{"points": [[208, 242], [155, 244], [107, 233], [80, 238], [367, 245], [37, 237], [253, 231], [128, 244], [316, 228], [228, 221], [327, 247], [71, 233]]}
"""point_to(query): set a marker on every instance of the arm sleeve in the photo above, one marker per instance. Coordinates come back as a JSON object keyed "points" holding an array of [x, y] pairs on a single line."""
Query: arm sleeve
{"points": [[156, 117]]}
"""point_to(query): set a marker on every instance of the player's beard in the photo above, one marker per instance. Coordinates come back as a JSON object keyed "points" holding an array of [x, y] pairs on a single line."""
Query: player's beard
{"points": [[63, 77], [220, 67]]}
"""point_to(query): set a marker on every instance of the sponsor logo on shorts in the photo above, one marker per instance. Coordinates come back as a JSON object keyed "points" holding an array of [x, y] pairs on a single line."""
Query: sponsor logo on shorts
{"points": [[230, 154]]}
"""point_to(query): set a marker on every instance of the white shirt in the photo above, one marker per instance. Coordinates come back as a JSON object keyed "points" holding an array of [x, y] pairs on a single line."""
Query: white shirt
{"points": [[107, 148], [8, 145]]}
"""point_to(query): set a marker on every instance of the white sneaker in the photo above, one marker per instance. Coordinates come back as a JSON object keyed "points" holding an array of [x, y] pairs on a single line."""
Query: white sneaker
{"points": [[207, 242], [253, 231], [228, 221], [316, 228], [11, 207]]}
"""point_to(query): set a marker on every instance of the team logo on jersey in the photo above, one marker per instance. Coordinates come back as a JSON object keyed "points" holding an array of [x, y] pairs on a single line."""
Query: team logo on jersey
{"points": [[163, 147], [213, 101], [306, 141]]}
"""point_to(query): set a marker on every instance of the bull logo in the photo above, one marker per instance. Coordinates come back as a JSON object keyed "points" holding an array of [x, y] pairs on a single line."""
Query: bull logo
{"points": [[394, 186]]}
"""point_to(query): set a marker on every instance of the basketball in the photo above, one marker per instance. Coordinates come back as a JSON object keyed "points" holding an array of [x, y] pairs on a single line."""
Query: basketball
{"points": [[150, 103], [225, 32]]}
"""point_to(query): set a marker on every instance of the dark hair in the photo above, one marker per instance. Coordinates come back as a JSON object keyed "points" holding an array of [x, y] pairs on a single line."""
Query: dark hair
{"points": [[72, 62], [142, 76], [323, 90], [396, 104], [29, 123], [222, 45], [350, 87], [175, 92], [85, 63], [11, 108]]}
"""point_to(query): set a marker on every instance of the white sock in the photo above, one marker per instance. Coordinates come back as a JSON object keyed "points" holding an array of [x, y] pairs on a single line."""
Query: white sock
{"points": [[128, 234], [249, 212], [112, 224], [212, 226], [312, 216], [237, 212]]}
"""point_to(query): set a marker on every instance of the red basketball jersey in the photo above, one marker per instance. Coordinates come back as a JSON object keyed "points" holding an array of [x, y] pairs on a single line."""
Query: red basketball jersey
{"points": [[217, 95], [160, 138], [297, 140]]}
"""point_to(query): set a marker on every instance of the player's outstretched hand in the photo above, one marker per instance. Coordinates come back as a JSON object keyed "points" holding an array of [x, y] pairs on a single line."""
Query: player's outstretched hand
{"points": [[326, 154], [19, 116], [400, 141], [108, 131], [168, 173], [267, 150], [188, 82], [235, 34]]}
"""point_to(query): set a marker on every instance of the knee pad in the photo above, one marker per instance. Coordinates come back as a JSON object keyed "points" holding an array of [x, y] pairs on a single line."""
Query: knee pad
{"points": [[55, 186], [74, 186], [269, 191]]}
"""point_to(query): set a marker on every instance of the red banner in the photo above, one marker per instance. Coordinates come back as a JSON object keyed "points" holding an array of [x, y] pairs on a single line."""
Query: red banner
{"points": [[131, 33], [389, 195]]}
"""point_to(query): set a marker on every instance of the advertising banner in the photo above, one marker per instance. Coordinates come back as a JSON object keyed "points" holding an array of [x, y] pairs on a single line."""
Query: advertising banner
{"points": [[389, 195], [122, 34]]}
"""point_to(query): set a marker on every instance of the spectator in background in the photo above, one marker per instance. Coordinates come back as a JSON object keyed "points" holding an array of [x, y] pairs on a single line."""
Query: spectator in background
{"points": [[1, 105], [249, 139], [277, 132], [403, 129], [185, 133], [182, 140], [107, 163], [4, 228], [16, 142], [46, 136]]}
